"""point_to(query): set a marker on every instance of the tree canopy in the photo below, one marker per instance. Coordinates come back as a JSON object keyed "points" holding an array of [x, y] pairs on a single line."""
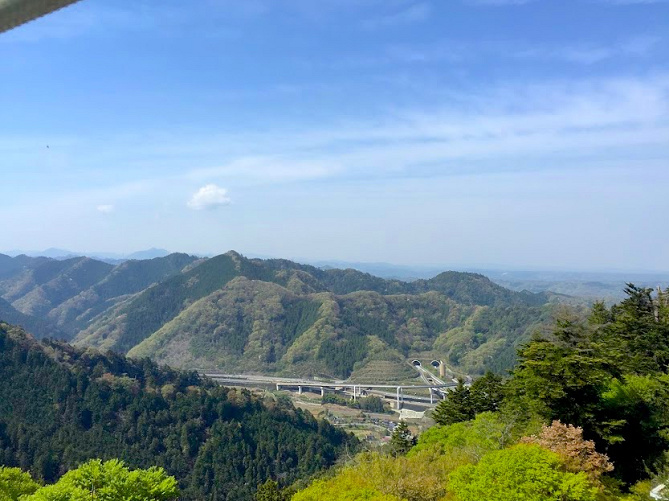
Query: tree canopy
{"points": [[95, 480]]}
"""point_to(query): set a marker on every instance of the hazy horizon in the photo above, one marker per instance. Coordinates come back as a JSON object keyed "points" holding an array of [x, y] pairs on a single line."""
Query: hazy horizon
{"points": [[529, 134], [59, 253]]}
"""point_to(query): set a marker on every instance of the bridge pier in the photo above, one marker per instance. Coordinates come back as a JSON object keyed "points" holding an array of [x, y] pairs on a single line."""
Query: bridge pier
{"points": [[353, 390]]}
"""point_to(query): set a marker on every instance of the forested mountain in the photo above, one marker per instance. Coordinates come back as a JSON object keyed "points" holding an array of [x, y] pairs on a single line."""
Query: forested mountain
{"points": [[250, 325], [127, 278], [66, 294], [272, 316], [241, 314], [37, 290], [40, 327], [60, 406]]}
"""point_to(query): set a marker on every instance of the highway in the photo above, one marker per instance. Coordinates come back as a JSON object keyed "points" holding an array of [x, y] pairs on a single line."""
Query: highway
{"points": [[398, 394]]}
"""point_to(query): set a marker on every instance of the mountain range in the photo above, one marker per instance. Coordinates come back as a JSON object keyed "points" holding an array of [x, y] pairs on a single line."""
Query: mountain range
{"points": [[108, 257], [271, 316]]}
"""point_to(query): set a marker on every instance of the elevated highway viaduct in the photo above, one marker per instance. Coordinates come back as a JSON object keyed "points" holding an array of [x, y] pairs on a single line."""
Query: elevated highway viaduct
{"points": [[397, 393]]}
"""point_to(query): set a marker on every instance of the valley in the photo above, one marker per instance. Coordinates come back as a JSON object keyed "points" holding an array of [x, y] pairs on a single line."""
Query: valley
{"points": [[334, 250]]}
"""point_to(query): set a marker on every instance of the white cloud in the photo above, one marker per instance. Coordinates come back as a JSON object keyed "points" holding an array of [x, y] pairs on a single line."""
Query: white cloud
{"points": [[209, 197], [105, 209]]}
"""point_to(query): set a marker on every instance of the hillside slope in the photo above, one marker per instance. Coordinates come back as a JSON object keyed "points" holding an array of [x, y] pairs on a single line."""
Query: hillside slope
{"points": [[276, 316], [41, 327], [60, 406], [271, 316], [127, 278], [68, 293], [256, 326]]}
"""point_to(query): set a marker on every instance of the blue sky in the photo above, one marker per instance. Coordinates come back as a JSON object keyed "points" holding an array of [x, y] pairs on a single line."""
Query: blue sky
{"points": [[520, 134]]}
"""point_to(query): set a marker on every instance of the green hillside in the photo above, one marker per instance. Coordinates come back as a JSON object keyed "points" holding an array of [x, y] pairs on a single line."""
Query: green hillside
{"points": [[582, 417], [129, 277], [41, 327], [68, 293], [276, 316], [56, 282], [60, 406], [255, 326], [271, 316]]}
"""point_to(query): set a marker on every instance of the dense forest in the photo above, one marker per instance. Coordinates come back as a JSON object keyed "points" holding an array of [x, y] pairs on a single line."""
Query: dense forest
{"points": [[271, 316], [60, 406], [583, 416]]}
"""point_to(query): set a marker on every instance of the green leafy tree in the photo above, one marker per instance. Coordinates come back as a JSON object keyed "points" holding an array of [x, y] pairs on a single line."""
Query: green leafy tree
{"points": [[419, 477], [520, 473], [270, 491], [636, 331], [15, 483], [61, 406], [109, 481], [634, 425], [475, 438], [344, 487], [607, 376]]}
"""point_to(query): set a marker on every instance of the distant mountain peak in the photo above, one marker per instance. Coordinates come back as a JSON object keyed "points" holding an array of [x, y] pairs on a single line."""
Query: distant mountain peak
{"points": [[149, 253], [234, 254]]}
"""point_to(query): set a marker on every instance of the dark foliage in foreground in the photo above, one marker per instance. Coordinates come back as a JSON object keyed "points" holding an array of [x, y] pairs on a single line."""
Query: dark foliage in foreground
{"points": [[60, 406]]}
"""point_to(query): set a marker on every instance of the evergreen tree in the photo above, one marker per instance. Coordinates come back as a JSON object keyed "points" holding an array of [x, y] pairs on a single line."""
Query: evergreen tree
{"points": [[401, 440], [456, 407], [486, 393], [60, 407], [607, 376]]}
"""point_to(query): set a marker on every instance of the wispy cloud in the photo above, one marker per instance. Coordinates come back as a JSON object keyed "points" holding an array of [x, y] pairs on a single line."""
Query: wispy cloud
{"points": [[640, 46], [413, 14], [492, 128], [498, 3], [516, 127], [271, 166], [632, 2], [498, 148], [460, 53], [105, 209]]}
